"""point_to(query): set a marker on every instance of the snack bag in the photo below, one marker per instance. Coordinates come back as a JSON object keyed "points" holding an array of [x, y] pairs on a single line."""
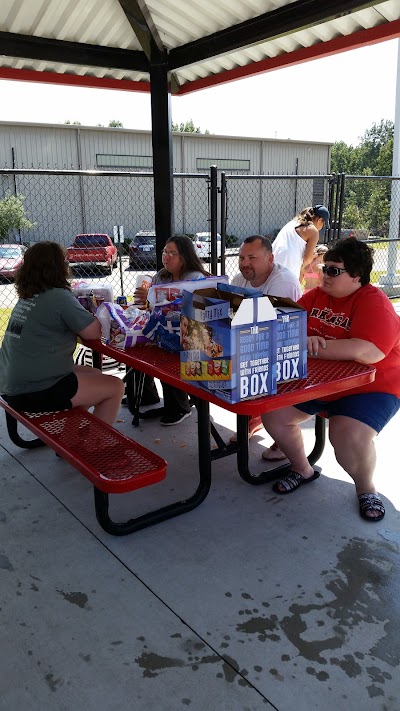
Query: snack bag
{"points": [[163, 326], [122, 328]]}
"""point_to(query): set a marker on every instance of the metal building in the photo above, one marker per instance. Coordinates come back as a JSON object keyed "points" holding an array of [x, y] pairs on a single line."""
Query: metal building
{"points": [[62, 206]]}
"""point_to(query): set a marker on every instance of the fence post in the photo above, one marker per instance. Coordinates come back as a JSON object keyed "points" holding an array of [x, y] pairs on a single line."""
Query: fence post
{"points": [[224, 204], [213, 217]]}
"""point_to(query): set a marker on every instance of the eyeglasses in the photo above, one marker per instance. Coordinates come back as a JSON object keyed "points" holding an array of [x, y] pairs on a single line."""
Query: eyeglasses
{"points": [[332, 271], [169, 254]]}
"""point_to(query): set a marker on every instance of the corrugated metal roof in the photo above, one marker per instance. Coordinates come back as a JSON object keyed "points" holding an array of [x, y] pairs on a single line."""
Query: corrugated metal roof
{"points": [[203, 42]]}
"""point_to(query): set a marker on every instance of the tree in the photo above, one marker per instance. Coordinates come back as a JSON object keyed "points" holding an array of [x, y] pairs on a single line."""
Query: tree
{"points": [[115, 124], [367, 202], [188, 127], [74, 123], [12, 215]]}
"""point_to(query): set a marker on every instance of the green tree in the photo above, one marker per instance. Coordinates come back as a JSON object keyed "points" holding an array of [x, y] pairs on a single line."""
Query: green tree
{"points": [[12, 215], [367, 202], [188, 127], [74, 123], [115, 124]]}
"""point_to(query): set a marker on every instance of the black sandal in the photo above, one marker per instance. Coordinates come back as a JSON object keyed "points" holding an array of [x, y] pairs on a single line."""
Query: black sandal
{"points": [[292, 481], [371, 502]]}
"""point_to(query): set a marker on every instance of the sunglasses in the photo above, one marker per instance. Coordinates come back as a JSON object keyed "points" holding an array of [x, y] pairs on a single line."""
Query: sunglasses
{"points": [[332, 271]]}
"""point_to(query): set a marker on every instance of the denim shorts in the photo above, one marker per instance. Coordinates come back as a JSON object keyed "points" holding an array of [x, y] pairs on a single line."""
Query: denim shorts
{"points": [[58, 397], [373, 409]]}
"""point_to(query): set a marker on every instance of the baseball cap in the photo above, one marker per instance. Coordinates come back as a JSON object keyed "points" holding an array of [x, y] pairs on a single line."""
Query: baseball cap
{"points": [[322, 211]]}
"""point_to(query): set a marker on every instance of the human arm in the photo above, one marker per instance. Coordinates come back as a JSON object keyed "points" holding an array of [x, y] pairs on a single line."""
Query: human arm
{"points": [[365, 329], [92, 331], [310, 235], [344, 349]]}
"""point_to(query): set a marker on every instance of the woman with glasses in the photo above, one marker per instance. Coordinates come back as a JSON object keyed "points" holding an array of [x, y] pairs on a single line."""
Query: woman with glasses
{"points": [[348, 319], [181, 263], [295, 244]]}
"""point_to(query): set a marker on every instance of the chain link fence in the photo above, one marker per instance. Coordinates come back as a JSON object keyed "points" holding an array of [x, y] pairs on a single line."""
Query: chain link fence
{"points": [[64, 203], [262, 204], [370, 211]]}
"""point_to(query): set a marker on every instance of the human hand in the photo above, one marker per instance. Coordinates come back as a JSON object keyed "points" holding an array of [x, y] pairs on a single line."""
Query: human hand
{"points": [[140, 295], [314, 343]]}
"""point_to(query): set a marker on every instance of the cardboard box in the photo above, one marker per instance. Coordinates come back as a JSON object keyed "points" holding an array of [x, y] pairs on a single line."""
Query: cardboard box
{"points": [[236, 342]]}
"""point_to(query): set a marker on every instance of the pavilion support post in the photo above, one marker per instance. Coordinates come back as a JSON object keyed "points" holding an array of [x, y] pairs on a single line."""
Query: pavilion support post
{"points": [[162, 155]]}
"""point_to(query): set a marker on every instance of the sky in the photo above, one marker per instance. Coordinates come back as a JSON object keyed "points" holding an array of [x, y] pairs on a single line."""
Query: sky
{"points": [[331, 99]]}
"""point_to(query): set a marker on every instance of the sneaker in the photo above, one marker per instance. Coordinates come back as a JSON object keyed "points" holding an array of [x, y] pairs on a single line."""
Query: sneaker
{"points": [[168, 420]]}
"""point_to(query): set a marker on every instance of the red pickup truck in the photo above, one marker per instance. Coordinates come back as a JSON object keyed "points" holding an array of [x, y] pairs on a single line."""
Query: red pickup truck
{"points": [[94, 250]]}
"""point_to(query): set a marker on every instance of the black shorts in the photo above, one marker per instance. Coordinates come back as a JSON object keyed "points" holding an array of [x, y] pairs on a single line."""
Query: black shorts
{"points": [[58, 397]]}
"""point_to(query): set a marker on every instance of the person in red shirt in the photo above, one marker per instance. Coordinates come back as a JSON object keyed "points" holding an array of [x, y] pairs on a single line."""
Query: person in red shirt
{"points": [[348, 319]]}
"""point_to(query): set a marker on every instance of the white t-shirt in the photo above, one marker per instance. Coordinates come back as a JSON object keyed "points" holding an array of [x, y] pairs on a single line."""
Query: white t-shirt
{"points": [[288, 248], [281, 282]]}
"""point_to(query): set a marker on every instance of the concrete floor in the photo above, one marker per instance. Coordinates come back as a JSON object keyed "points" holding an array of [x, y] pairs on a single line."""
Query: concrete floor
{"points": [[251, 601]]}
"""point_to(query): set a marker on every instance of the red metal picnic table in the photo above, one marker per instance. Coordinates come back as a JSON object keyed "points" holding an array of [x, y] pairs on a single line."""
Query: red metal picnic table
{"points": [[324, 378]]}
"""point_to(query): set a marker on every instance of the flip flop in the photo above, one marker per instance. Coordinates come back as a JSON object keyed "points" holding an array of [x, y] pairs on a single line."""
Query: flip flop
{"points": [[273, 455], [371, 502], [292, 481]]}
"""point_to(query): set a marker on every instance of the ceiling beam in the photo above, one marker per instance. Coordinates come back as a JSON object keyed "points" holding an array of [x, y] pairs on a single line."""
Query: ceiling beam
{"points": [[296, 16], [144, 30], [356, 40], [87, 55]]}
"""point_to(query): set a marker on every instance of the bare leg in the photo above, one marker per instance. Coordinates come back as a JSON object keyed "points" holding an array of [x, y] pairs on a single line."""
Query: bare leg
{"points": [[354, 446], [283, 426], [105, 392]]}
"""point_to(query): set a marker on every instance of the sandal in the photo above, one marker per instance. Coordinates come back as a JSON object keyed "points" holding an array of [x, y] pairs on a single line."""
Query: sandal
{"points": [[292, 481], [255, 425], [371, 502], [273, 454]]}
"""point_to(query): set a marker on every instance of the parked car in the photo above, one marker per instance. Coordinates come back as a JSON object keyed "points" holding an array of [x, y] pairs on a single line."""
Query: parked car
{"points": [[356, 232], [202, 245], [142, 251], [11, 258], [95, 249]]}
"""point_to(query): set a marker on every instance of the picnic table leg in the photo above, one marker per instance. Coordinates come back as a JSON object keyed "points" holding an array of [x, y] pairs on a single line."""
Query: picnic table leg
{"points": [[280, 470], [12, 429], [101, 499]]}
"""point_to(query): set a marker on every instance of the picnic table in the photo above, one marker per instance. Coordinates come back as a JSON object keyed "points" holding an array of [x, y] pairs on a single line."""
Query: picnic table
{"points": [[324, 378]]}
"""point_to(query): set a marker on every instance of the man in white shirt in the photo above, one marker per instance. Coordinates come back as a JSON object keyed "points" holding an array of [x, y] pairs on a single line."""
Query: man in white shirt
{"points": [[258, 270]]}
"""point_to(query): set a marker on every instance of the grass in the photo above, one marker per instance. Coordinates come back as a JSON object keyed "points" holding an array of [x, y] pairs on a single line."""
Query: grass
{"points": [[4, 316]]}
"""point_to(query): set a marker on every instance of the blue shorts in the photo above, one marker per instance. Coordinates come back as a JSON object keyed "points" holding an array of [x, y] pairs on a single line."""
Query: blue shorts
{"points": [[374, 409]]}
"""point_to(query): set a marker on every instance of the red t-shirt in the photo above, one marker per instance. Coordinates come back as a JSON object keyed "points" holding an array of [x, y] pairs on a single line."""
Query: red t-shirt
{"points": [[367, 314]]}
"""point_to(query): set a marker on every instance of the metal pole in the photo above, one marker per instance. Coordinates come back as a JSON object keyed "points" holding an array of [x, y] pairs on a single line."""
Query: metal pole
{"points": [[391, 280], [213, 218], [223, 221], [120, 260]]}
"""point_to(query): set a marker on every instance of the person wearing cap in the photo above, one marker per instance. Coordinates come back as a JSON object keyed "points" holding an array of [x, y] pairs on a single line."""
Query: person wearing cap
{"points": [[295, 244]]}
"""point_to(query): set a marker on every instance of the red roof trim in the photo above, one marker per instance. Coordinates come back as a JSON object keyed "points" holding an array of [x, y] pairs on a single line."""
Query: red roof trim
{"points": [[381, 33], [72, 80]]}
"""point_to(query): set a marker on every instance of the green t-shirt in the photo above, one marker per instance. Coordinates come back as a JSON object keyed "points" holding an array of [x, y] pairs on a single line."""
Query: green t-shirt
{"points": [[40, 340]]}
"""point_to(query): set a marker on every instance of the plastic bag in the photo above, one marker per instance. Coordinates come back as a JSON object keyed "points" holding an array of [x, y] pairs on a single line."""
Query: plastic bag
{"points": [[122, 328], [163, 326]]}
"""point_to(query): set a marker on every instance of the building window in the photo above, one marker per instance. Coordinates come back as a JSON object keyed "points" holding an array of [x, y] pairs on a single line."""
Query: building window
{"points": [[109, 160], [223, 163]]}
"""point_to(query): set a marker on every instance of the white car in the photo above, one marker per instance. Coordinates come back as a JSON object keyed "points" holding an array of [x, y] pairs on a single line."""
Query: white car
{"points": [[202, 245]]}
